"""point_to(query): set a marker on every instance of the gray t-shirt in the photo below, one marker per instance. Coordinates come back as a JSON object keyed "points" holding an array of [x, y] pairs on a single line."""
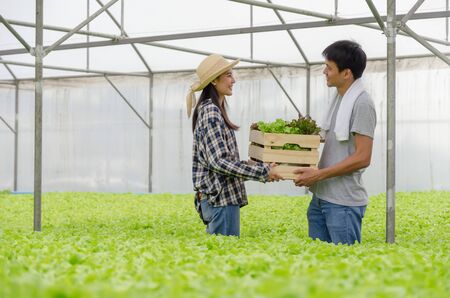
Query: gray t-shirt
{"points": [[348, 189]]}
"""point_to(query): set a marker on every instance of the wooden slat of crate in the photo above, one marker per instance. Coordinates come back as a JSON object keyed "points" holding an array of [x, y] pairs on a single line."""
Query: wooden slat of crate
{"points": [[276, 139], [284, 156], [287, 172]]}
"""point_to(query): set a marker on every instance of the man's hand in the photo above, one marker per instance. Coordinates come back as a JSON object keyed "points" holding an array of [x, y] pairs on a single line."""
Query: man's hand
{"points": [[306, 176], [358, 160], [274, 173]]}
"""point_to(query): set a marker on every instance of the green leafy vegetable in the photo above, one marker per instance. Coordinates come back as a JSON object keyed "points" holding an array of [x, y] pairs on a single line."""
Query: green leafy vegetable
{"points": [[127, 245], [303, 126]]}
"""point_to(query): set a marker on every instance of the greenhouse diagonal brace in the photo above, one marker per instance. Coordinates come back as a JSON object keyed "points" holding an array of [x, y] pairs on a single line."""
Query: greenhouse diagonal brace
{"points": [[124, 33], [127, 102], [15, 33], [9, 126], [377, 16], [302, 53], [78, 27], [285, 92], [9, 70], [291, 35], [411, 12], [423, 42], [417, 37]]}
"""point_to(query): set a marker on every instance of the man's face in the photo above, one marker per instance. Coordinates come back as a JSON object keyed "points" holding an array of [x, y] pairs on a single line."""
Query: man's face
{"points": [[332, 74]]}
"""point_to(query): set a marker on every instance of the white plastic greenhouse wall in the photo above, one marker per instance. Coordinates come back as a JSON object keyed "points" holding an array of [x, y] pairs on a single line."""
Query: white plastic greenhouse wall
{"points": [[92, 141]]}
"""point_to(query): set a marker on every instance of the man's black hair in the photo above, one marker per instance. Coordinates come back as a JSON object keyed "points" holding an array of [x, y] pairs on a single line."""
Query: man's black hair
{"points": [[347, 54]]}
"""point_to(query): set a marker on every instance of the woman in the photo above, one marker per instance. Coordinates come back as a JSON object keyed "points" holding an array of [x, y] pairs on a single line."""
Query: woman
{"points": [[217, 172]]}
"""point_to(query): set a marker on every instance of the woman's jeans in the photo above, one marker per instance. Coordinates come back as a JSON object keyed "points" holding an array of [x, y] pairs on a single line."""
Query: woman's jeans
{"points": [[334, 223], [221, 220]]}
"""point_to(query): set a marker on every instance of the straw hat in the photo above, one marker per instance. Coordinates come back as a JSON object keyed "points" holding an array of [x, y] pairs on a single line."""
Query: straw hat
{"points": [[209, 69]]}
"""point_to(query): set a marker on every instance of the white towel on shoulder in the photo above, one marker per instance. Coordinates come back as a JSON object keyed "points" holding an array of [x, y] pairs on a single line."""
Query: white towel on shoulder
{"points": [[342, 126]]}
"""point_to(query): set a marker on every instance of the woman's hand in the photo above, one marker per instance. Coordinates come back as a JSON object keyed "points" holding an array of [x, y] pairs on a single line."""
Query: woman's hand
{"points": [[274, 173], [251, 162]]}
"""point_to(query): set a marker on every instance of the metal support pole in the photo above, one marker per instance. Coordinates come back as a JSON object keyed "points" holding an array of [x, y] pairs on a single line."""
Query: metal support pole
{"points": [[308, 91], [285, 92], [446, 20], [150, 136], [16, 136], [38, 115], [78, 27], [127, 102], [390, 168], [87, 36], [150, 121], [122, 18], [336, 4], [15, 33], [251, 34]]}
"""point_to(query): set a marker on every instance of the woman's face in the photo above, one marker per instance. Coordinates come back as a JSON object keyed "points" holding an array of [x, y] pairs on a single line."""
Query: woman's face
{"points": [[224, 84]]}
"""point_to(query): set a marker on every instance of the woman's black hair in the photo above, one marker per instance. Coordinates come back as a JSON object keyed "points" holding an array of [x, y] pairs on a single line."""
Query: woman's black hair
{"points": [[210, 92]]}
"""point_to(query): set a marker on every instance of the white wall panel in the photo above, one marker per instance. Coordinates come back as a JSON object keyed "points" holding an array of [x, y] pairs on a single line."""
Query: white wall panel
{"points": [[94, 142]]}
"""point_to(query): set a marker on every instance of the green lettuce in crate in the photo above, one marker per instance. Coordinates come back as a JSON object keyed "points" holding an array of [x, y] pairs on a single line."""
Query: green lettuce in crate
{"points": [[302, 126]]}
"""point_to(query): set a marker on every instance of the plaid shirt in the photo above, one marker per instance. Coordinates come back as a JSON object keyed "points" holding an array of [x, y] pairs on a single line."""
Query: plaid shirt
{"points": [[217, 171]]}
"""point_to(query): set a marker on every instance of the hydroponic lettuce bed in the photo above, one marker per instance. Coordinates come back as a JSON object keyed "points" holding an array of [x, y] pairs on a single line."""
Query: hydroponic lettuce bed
{"points": [[103, 245]]}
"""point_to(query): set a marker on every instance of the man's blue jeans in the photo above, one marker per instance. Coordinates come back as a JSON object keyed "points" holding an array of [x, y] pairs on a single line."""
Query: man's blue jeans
{"points": [[221, 220], [334, 223]]}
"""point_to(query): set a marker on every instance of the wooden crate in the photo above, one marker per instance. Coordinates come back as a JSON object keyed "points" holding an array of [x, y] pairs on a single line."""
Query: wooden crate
{"points": [[261, 149]]}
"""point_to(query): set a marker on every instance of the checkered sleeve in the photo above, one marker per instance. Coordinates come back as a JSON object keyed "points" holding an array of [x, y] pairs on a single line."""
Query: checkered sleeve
{"points": [[220, 158]]}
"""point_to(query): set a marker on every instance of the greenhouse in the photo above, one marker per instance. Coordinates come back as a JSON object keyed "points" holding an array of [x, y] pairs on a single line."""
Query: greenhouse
{"points": [[96, 183]]}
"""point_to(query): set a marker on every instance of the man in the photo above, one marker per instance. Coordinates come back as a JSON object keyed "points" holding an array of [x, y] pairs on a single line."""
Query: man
{"points": [[339, 197]]}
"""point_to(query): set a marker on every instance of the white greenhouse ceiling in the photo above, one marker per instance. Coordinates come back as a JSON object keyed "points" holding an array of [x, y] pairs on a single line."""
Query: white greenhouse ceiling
{"points": [[159, 30]]}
